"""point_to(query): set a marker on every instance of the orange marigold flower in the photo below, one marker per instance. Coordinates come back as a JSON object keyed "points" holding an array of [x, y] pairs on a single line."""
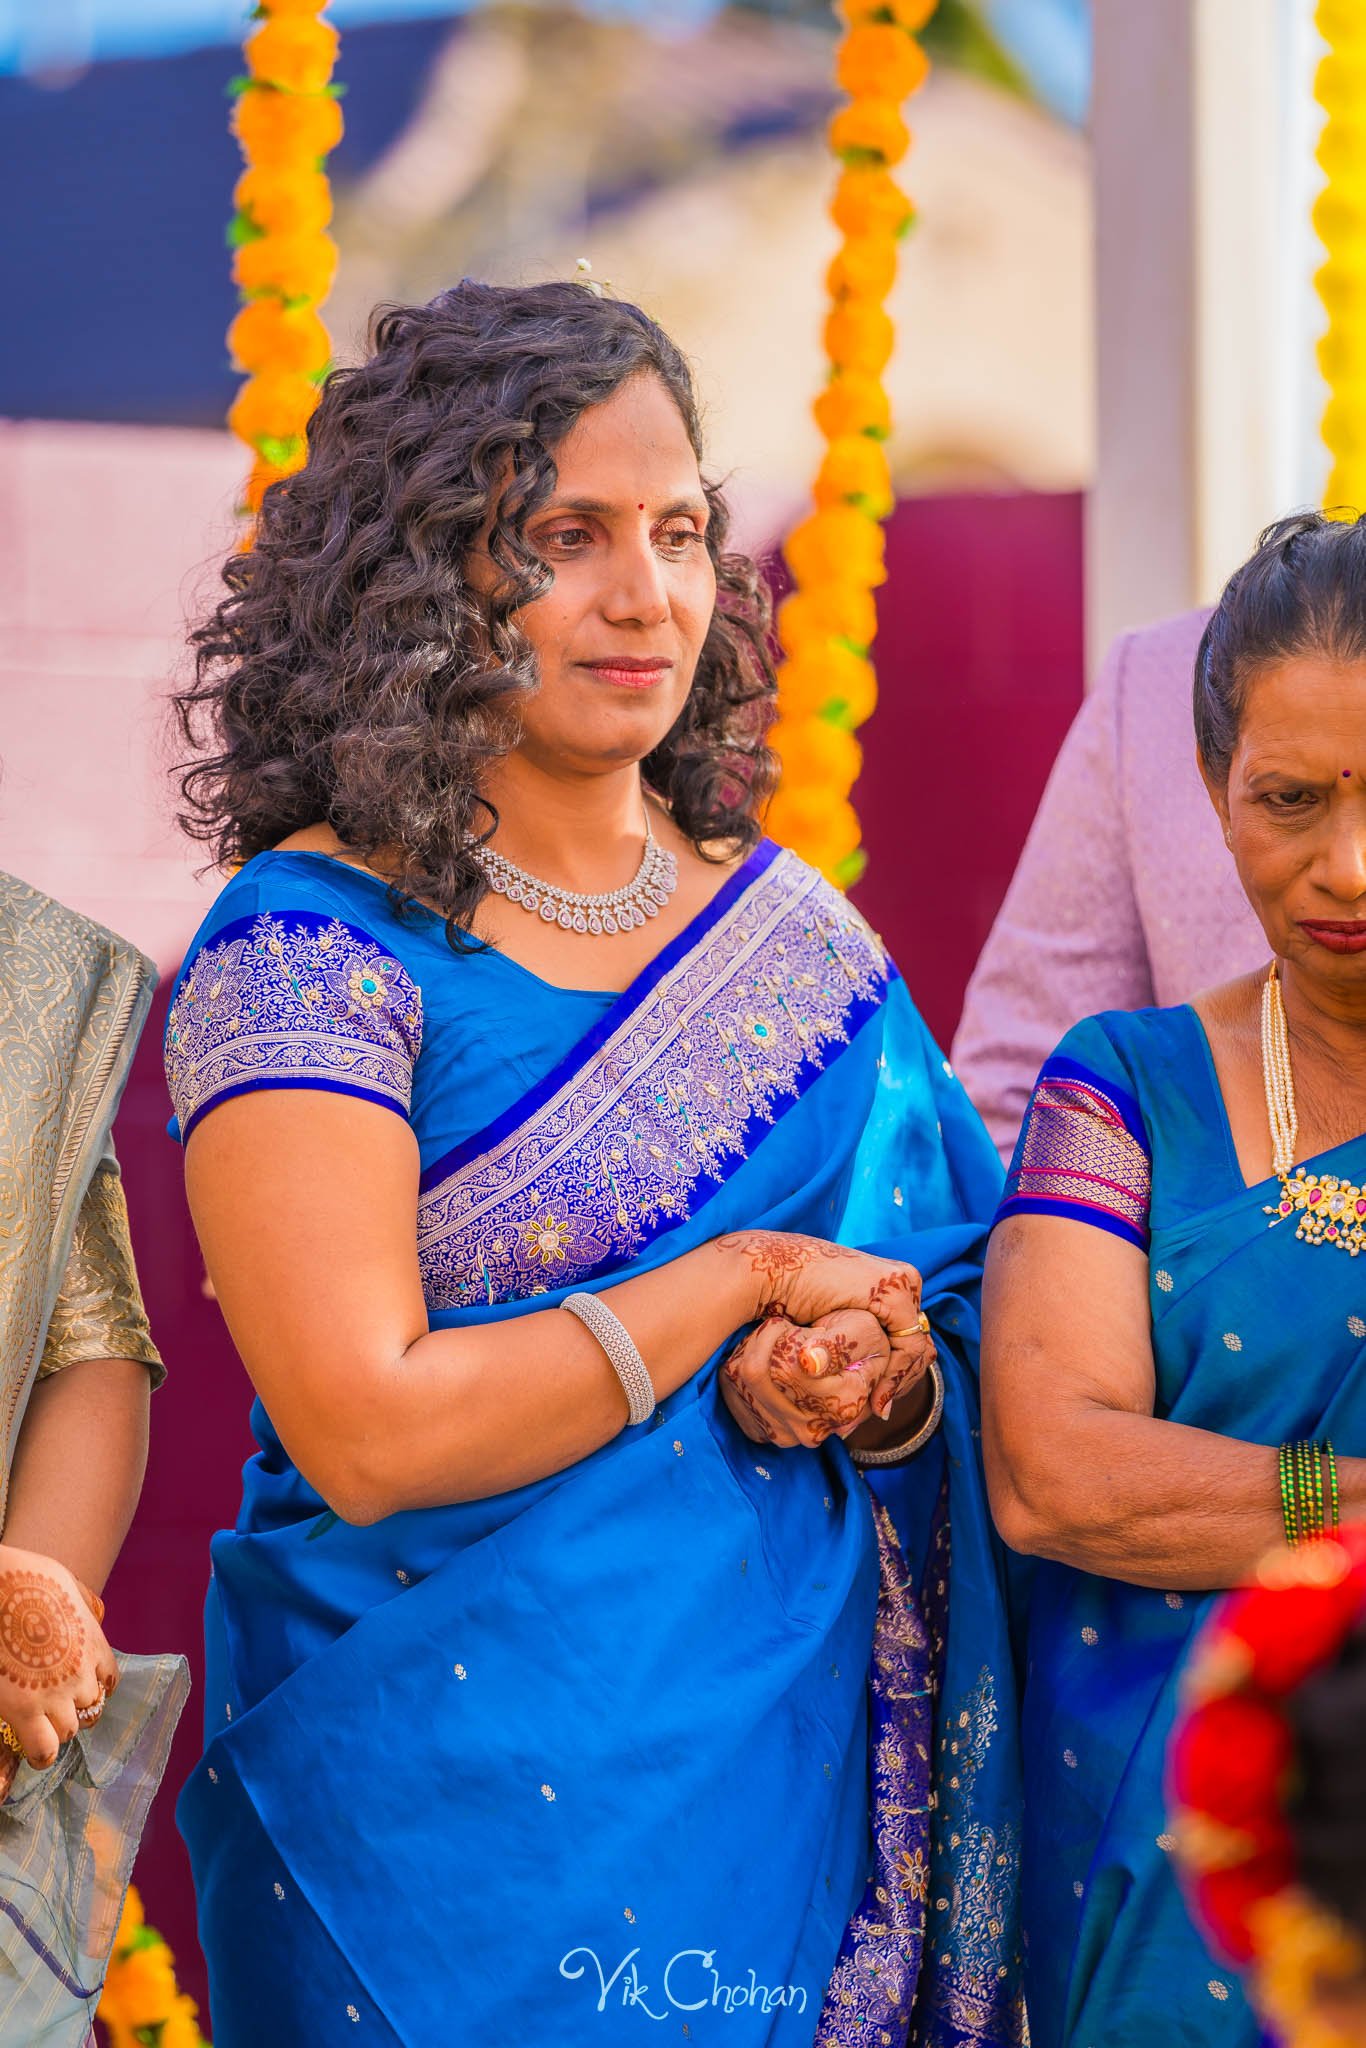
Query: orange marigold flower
{"points": [[881, 61], [182, 2026], [293, 51], [856, 471], [837, 545], [268, 335], [859, 337], [870, 127], [130, 1920], [285, 127], [275, 407], [827, 679], [869, 202], [829, 611], [146, 1987], [283, 201], [296, 266], [264, 474], [853, 403], [816, 823], [812, 750], [864, 267], [291, 6]]}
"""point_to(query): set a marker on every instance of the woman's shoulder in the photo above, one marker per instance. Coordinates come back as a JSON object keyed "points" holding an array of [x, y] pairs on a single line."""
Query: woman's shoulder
{"points": [[295, 978]]}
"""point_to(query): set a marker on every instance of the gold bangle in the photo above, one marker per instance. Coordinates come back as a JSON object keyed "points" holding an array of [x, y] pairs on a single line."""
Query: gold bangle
{"points": [[10, 1739]]}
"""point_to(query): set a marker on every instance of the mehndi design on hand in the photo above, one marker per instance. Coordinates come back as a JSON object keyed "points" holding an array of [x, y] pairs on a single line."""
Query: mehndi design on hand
{"points": [[42, 1636]]}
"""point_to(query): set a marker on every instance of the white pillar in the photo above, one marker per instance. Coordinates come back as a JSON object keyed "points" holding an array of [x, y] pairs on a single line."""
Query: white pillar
{"points": [[1208, 394]]}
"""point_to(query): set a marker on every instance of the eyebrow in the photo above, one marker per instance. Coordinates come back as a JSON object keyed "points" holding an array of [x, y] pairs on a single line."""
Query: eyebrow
{"points": [[598, 508]]}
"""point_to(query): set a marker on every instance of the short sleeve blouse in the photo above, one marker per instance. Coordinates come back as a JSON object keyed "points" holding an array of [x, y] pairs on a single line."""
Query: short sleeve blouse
{"points": [[1084, 1149]]}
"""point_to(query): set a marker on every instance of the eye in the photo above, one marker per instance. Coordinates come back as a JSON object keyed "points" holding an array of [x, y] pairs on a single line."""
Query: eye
{"points": [[566, 540], [677, 540], [1284, 800]]}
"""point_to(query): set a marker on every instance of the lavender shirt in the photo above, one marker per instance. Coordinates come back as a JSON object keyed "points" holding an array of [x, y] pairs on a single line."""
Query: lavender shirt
{"points": [[1125, 894]]}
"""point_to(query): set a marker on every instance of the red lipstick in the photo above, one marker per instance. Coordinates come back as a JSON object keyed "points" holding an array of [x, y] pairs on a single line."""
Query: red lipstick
{"points": [[1338, 935]]}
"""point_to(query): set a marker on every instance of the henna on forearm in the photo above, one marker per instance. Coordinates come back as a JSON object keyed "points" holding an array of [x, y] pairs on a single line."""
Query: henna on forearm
{"points": [[777, 1255], [42, 1637]]}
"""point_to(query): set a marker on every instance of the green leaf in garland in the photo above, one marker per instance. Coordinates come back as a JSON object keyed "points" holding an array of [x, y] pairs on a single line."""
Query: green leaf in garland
{"points": [[242, 229], [277, 448], [851, 868], [851, 647]]}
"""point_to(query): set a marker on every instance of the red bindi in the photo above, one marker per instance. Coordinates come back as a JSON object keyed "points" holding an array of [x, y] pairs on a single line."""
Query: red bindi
{"points": [[641, 508], [1345, 773]]}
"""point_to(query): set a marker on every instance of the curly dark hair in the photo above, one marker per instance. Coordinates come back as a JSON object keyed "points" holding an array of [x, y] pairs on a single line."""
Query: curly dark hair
{"points": [[353, 676]]}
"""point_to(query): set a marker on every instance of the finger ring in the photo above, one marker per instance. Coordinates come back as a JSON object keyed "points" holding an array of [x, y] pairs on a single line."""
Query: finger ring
{"points": [[920, 1328], [10, 1739], [88, 1716]]}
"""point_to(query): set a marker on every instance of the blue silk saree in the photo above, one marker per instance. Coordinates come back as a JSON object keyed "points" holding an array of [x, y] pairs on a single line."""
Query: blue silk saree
{"points": [[648, 1743], [1256, 1335]]}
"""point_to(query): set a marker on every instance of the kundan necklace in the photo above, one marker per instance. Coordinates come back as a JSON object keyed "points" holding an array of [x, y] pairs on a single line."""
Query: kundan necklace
{"points": [[1331, 1211], [618, 910]]}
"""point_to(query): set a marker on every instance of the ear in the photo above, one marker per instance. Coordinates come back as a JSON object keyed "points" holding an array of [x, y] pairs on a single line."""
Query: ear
{"points": [[1217, 793]]}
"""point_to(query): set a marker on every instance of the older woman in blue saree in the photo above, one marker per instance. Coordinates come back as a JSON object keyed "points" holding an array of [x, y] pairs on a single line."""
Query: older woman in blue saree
{"points": [[567, 1678], [1173, 1294]]}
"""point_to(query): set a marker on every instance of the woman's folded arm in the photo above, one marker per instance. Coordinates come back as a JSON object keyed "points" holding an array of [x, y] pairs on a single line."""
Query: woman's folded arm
{"points": [[1079, 1468], [306, 1206]]}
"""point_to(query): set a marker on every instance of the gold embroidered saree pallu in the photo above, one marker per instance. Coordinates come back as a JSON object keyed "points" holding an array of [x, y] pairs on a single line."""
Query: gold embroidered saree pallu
{"points": [[634, 1717], [72, 1001]]}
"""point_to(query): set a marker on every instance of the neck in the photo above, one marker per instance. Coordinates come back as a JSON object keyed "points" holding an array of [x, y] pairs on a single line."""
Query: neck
{"points": [[1329, 1021], [582, 832]]}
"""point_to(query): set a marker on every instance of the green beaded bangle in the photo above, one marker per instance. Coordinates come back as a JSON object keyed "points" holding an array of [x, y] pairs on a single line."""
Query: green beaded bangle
{"points": [[1289, 1506], [1307, 1482], [1330, 1471]]}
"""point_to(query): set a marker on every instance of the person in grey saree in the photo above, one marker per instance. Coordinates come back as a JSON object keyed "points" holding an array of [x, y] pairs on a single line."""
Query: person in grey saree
{"points": [[86, 1733]]}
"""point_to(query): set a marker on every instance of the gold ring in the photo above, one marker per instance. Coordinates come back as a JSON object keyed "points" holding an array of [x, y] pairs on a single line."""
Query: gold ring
{"points": [[920, 1328], [10, 1739]]}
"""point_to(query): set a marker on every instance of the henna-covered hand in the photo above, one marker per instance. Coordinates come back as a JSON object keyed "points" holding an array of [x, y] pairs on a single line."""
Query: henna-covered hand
{"points": [[808, 1280], [54, 1660], [789, 1385]]}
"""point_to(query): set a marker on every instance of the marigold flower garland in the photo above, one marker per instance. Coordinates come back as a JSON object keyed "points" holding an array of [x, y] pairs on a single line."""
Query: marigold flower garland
{"points": [[826, 684], [1232, 1760], [286, 119], [140, 2006], [1340, 219]]}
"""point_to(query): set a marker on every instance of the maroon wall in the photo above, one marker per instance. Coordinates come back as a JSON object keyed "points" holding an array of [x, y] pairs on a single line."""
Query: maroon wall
{"points": [[980, 669], [980, 663]]}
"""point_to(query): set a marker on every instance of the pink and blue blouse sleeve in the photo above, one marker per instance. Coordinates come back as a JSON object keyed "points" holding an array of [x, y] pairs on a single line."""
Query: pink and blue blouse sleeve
{"points": [[1083, 1150], [291, 999]]}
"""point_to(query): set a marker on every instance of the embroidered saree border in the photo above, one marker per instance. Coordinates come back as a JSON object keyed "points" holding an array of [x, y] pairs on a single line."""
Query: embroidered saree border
{"points": [[1083, 1153], [678, 1082]]}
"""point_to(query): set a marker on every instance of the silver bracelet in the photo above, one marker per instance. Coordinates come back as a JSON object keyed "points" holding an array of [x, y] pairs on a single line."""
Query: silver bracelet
{"points": [[897, 1454], [622, 1355]]}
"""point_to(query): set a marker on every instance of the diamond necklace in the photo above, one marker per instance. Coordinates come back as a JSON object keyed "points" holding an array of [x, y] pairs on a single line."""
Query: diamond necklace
{"points": [[1331, 1211], [617, 910]]}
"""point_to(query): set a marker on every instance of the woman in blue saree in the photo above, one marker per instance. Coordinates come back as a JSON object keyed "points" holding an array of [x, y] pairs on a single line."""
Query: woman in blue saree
{"points": [[537, 1711], [1174, 1292]]}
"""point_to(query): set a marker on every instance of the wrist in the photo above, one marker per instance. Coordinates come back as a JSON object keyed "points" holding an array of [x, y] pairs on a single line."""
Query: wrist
{"points": [[907, 1418]]}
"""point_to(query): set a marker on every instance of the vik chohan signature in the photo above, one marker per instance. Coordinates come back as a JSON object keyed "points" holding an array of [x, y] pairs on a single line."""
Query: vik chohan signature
{"points": [[690, 1982]]}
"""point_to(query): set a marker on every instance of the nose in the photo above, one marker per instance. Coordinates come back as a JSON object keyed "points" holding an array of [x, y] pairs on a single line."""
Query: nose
{"points": [[636, 593], [1344, 867]]}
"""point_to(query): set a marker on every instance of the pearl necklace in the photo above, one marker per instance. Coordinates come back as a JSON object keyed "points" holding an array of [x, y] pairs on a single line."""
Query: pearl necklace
{"points": [[617, 910], [1331, 1211]]}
